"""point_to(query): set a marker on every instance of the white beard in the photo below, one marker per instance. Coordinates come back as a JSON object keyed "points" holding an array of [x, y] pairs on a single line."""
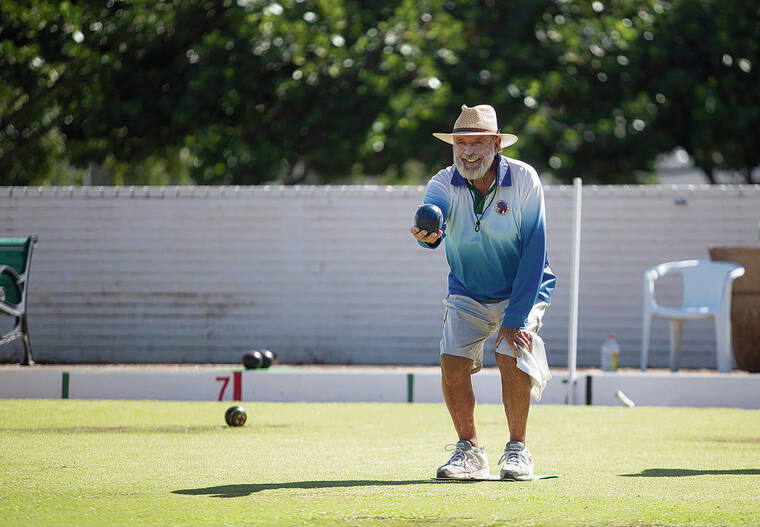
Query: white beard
{"points": [[476, 173]]}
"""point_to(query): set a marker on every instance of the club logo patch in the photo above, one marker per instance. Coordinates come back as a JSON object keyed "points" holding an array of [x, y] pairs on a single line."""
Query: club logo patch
{"points": [[501, 207]]}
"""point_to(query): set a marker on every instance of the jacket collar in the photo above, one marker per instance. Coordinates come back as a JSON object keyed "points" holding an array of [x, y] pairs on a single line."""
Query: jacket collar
{"points": [[505, 177]]}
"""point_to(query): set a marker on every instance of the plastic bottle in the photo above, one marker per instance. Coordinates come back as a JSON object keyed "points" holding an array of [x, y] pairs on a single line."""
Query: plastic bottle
{"points": [[610, 353]]}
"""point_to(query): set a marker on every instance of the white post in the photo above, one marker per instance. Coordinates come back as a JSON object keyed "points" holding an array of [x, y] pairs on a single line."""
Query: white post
{"points": [[575, 251]]}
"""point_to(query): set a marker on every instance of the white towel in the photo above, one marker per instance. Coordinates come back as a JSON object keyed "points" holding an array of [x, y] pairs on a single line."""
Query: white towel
{"points": [[533, 363]]}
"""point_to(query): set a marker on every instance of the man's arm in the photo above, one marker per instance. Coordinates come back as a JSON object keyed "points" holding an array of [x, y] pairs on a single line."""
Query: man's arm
{"points": [[533, 255]]}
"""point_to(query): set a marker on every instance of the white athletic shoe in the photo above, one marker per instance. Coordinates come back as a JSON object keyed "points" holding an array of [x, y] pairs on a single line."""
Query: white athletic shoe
{"points": [[468, 462], [518, 463]]}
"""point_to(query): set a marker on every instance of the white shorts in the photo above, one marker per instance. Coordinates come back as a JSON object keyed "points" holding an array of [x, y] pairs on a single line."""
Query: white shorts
{"points": [[467, 324]]}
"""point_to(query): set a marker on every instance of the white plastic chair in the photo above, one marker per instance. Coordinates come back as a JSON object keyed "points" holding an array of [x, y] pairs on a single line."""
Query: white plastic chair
{"points": [[706, 294]]}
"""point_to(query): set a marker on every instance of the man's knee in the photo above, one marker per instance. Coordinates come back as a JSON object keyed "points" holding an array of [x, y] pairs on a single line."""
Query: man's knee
{"points": [[455, 370]]}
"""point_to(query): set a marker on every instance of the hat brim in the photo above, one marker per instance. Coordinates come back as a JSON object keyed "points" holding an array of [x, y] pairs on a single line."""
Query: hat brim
{"points": [[506, 139]]}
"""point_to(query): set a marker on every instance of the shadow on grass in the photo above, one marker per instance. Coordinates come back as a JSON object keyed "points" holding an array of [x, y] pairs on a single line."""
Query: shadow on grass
{"points": [[678, 472], [246, 489], [177, 429], [750, 440]]}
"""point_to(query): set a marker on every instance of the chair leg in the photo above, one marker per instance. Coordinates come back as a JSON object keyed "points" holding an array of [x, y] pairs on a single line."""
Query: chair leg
{"points": [[27, 361], [645, 333], [723, 345], [675, 344]]}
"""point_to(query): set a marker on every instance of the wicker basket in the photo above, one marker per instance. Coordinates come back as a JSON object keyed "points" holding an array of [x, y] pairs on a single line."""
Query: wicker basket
{"points": [[745, 304]]}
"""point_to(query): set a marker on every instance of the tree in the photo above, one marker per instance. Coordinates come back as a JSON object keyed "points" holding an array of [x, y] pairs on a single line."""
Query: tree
{"points": [[35, 49], [703, 63], [589, 118], [251, 91]]}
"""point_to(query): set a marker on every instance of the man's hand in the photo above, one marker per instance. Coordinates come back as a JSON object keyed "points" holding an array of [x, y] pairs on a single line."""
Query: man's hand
{"points": [[423, 236], [516, 338]]}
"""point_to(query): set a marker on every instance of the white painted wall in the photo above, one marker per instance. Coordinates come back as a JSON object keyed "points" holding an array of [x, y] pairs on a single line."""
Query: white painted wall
{"points": [[329, 273], [364, 384], [696, 390]]}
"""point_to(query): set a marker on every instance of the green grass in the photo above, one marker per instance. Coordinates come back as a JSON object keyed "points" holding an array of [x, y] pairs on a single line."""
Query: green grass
{"points": [[73, 462]]}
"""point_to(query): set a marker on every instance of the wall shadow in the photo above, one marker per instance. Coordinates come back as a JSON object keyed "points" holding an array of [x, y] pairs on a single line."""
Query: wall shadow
{"points": [[680, 472], [246, 489]]}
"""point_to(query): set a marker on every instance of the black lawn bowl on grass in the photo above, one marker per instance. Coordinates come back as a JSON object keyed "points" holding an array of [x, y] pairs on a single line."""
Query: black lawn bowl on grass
{"points": [[235, 416]]}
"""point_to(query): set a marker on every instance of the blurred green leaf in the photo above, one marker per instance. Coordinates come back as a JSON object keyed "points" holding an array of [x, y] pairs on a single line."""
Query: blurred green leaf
{"points": [[252, 91]]}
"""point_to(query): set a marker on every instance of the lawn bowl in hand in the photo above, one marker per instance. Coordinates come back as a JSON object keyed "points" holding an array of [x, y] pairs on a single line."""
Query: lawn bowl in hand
{"points": [[428, 218], [253, 359], [235, 416]]}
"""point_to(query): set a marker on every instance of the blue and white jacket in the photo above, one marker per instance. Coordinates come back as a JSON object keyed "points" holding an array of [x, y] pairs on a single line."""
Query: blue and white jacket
{"points": [[507, 257]]}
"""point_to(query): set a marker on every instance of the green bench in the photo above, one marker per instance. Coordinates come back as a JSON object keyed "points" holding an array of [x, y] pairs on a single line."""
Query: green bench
{"points": [[15, 260]]}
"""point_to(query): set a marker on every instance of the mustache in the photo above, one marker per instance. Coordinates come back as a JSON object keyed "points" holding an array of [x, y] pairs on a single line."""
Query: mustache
{"points": [[474, 173]]}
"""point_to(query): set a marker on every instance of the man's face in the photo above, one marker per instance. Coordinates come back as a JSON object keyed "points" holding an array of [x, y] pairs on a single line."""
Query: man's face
{"points": [[473, 154]]}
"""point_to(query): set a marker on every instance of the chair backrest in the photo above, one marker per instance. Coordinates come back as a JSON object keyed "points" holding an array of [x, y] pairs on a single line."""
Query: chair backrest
{"points": [[704, 282], [15, 253]]}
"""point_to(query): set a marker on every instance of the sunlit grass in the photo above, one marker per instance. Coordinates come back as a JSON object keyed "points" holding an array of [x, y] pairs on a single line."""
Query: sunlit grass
{"points": [[73, 462]]}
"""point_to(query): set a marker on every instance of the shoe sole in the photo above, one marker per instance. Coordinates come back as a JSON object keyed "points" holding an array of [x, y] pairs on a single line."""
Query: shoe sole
{"points": [[513, 477], [481, 474]]}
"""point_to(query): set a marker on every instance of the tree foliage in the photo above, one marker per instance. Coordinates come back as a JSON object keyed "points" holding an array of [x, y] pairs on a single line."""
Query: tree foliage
{"points": [[703, 60], [250, 91]]}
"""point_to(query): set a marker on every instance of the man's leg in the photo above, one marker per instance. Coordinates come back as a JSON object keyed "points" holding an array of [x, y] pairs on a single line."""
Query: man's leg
{"points": [[466, 325], [515, 394], [460, 399], [468, 461]]}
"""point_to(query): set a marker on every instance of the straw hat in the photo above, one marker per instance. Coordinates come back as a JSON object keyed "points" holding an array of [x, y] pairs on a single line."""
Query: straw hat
{"points": [[477, 120]]}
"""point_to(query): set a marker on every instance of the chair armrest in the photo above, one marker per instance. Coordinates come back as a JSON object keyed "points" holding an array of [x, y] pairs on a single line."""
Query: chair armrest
{"points": [[17, 281], [6, 269], [728, 288], [8, 308], [669, 267], [736, 273], [650, 276], [11, 270]]}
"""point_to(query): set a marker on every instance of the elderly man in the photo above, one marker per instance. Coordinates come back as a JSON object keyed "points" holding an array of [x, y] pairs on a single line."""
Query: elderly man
{"points": [[499, 280]]}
